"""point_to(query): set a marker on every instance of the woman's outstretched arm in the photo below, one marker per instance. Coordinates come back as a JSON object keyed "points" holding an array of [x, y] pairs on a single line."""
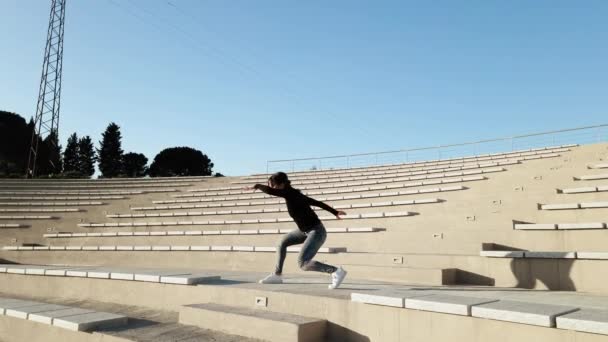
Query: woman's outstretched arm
{"points": [[319, 204], [266, 189]]}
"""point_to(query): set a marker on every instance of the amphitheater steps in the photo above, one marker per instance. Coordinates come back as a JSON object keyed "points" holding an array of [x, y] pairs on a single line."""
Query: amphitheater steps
{"points": [[269, 326]]}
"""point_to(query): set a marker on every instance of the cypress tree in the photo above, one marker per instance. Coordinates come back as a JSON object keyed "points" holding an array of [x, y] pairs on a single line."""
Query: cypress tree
{"points": [[86, 156], [71, 155], [110, 152]]}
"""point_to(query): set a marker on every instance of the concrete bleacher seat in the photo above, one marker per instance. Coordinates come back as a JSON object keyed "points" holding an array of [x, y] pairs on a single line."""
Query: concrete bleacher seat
{"points": [[60, 316], [591, 177], [50, 204], [365, 182], [211, 203], [352, 189], [522, 153], [58, 198], [40, 210], [13, 225], [275, 210], [212, 232], [567, 206], [599, 166], [243, 221], [559, 226], [177, 277], [170, 248], [27, 217], [581, 190]]}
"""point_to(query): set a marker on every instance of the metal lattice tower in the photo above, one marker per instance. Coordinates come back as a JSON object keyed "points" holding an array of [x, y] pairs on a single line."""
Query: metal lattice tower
{"points": [[49, 95]]}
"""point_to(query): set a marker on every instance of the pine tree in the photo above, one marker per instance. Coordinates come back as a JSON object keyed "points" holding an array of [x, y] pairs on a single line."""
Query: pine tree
{"points": [[86, 156], [49, 159], [110, 152], [71, 155]]}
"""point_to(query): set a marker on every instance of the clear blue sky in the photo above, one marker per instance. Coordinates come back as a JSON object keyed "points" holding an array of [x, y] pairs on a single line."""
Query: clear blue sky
{"points": [[247, 81]]}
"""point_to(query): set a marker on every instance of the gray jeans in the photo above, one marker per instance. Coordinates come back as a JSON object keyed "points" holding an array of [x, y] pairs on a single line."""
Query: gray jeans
{"points": [[313, 240]]}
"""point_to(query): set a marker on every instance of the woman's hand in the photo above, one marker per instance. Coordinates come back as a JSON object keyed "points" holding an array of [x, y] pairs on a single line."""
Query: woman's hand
{"points": [[340, 213]]}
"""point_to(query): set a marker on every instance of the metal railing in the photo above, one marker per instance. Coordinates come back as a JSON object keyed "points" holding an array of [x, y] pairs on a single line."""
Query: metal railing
{"points": [[580, 135]]}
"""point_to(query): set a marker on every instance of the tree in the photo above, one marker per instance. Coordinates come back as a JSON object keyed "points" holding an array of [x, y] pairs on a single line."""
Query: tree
{"points": [[110, 152], [135, 164], [15, 138], [181, 161], [71, 155], [49, 161], [86, 156]]}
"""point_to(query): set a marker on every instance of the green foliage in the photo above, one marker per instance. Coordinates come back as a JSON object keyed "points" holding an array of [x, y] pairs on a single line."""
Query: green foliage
{"points": [[86, 156], [15, 138], [49, 161], [110, 152], [135, 164], [180, 161], [71, 155]]}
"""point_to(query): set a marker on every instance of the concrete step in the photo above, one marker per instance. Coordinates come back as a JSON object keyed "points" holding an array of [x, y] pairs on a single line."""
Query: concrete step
{"points": [[254, 323]]}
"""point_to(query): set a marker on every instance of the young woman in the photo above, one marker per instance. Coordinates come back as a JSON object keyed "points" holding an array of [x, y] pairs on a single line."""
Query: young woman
{"points": [[310, 232]]}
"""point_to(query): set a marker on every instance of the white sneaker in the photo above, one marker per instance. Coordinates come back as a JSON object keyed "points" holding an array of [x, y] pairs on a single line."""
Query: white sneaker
{"points": [[337, 278], [272, 279]]}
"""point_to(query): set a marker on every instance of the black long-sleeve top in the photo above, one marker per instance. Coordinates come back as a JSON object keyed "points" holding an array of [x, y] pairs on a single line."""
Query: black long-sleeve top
{"points": [[298, 206]]}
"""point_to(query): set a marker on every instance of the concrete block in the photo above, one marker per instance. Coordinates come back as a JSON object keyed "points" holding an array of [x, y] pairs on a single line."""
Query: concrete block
{"points": [[563, 206], [550, 255], [89, 321], [595, 225], [592, 177], [592, 321], [193, 232], [592, 205], [154, 277], [94, 234], [522, 312], [386, 297], [180, 248], [124, 248], [249, 232], [243, 248], [397, 214], [16, 270], [89, 248], [579, 190], [229, 232], [142, 248], [265, 249], [175, 232], [535, 226], [337, 230], [212, 232], [107, 248], [269, 231], [367, 215], [24, 312], [15, 304], [456, 305], [141, 233], [125, 234], [161, 248], [592, 255], [189, 279], [602, 188], [221, 248], [158, 233], [200, 248], [502, 254], [99, 274]]}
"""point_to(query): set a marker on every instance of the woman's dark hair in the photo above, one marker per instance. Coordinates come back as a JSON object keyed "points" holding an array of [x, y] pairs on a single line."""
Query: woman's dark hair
{"points": [[279, 178]]}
